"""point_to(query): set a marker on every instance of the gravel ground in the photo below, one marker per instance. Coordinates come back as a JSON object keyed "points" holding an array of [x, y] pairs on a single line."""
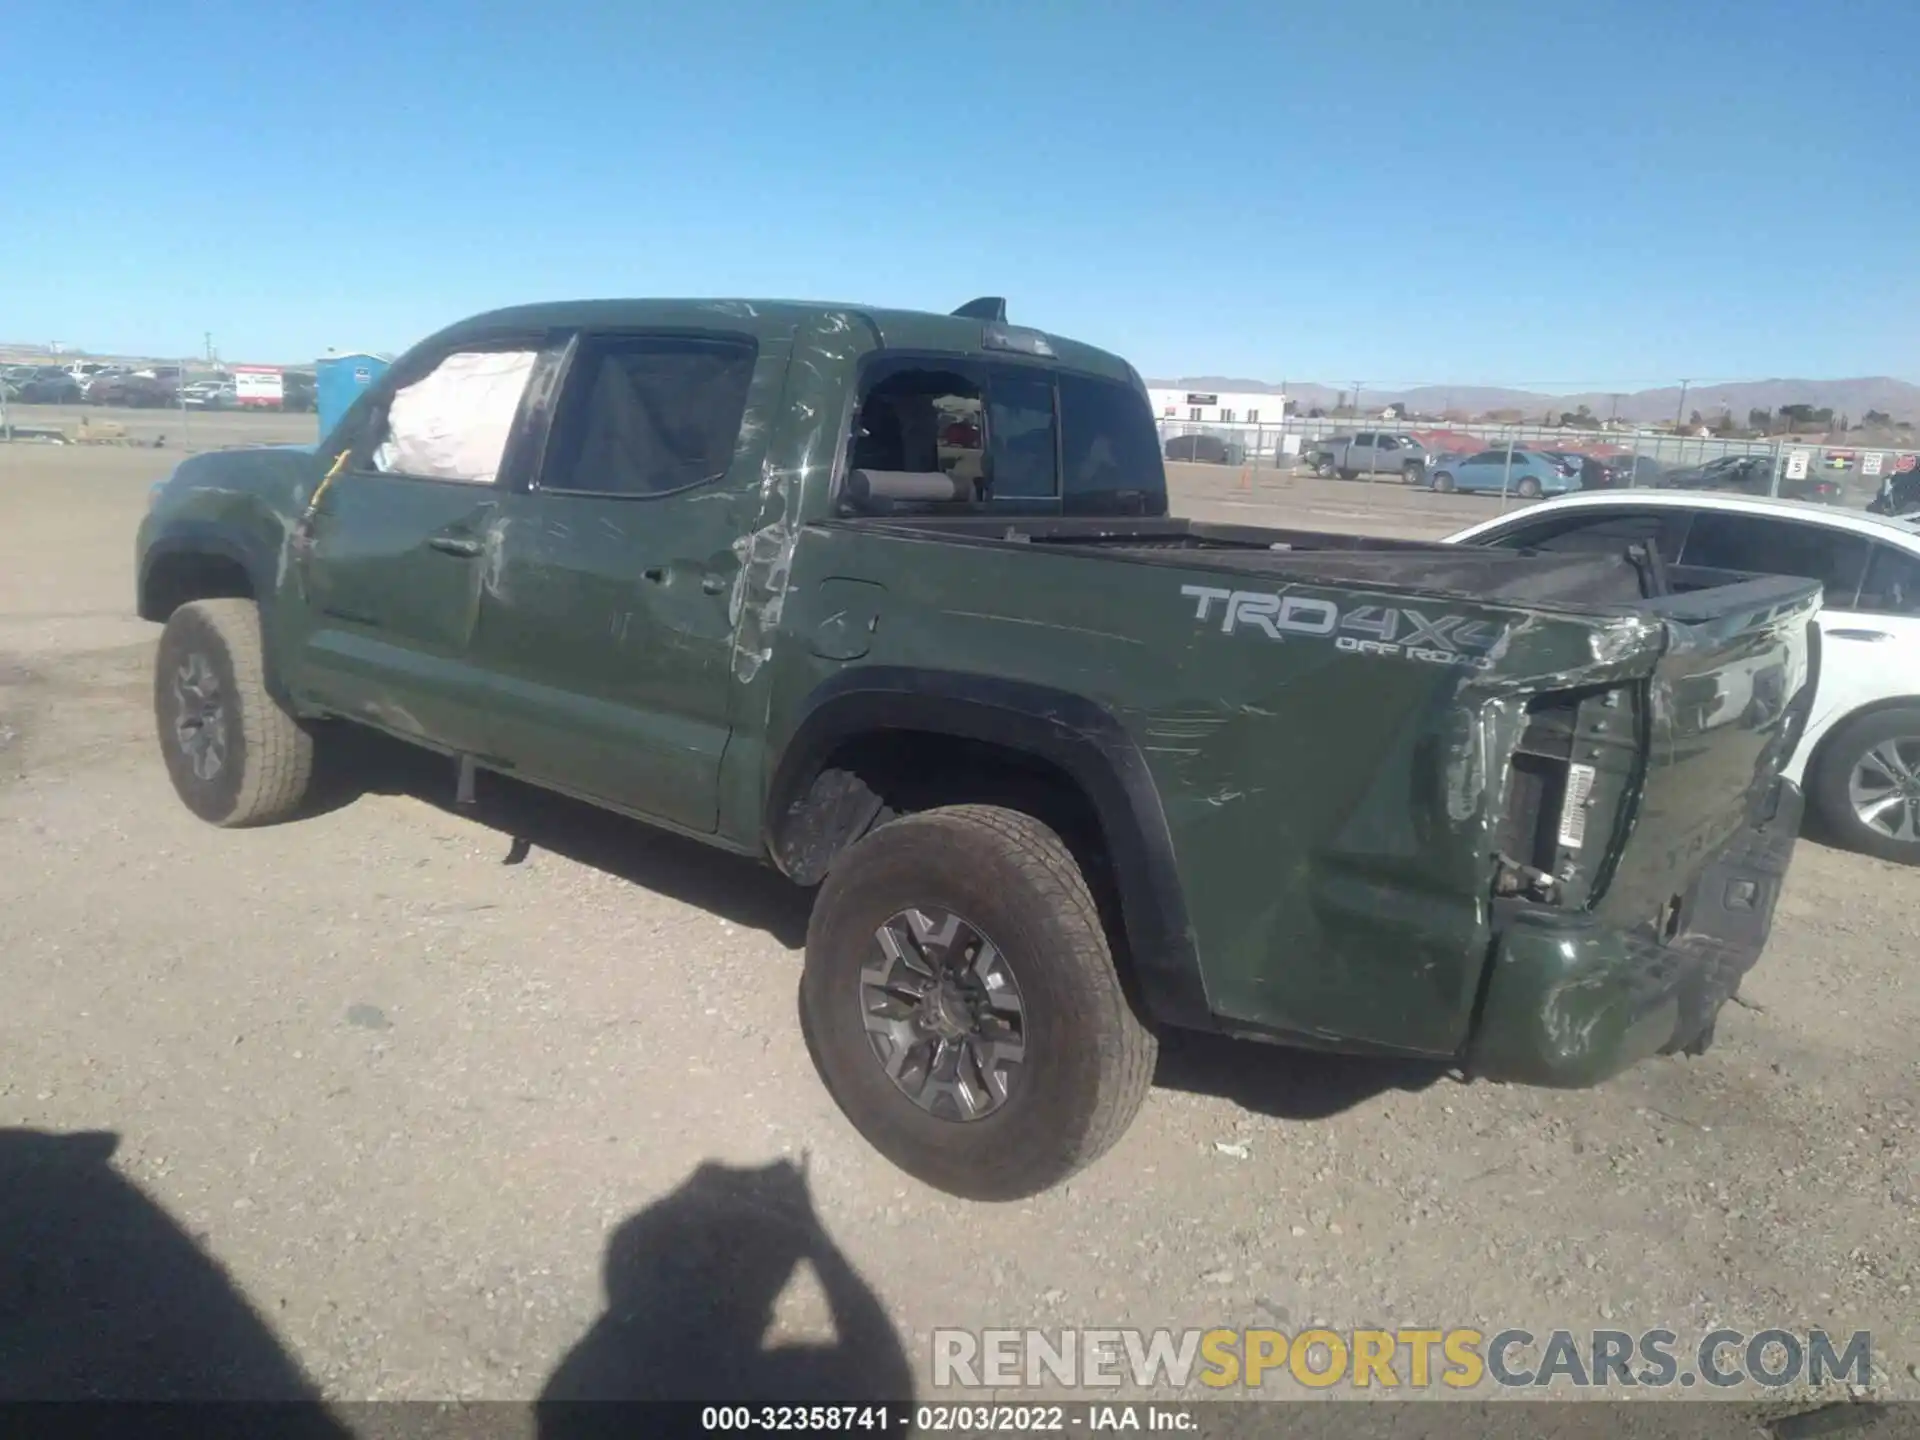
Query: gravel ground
{"points": [[459, 1128]]}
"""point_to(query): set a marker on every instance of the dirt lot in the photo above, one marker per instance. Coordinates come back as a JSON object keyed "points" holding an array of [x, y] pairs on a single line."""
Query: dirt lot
{"points": [[443, 1120]]}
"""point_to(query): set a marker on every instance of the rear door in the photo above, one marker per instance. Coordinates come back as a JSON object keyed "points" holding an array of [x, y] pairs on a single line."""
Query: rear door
{"points": [[605, 632], [1854, 649], [1360, 453], [1484, 471], [390, 558]]}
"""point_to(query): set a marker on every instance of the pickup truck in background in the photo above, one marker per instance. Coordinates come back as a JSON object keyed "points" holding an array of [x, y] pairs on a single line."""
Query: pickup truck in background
{"points": [[1370, 453], [892, 602]]}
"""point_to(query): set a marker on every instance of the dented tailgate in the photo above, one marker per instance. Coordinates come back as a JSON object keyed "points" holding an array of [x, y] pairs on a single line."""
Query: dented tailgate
{"points": [[1720, 722]]}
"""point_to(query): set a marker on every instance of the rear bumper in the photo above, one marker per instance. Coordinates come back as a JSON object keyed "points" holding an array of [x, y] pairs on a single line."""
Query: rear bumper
{"points": [[1570, 1002]]}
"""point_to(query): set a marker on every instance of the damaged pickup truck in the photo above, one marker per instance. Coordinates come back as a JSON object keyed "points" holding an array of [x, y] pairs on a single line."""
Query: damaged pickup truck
{"points": [[892, 602]]}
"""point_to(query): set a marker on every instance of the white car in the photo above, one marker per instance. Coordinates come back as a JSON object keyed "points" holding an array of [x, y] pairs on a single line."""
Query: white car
{"points": [[1859, 760]]}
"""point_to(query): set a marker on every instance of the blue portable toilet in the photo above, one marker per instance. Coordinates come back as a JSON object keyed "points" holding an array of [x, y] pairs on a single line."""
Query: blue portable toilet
{"points": [[338, 381]]}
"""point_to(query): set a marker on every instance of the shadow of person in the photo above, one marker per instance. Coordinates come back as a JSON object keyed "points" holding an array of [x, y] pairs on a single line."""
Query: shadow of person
{"points": [[104, 1297], [692, 1283]]}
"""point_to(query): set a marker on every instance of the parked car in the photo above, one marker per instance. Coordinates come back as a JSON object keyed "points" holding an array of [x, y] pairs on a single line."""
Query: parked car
{"points": [[208, 395], [886, 683], [55, 388], [1625, 471], [1859, 758], [1526, 473], [138, 391], [296, 391], [1371, 452], [1751, 475], [1206, 450]]}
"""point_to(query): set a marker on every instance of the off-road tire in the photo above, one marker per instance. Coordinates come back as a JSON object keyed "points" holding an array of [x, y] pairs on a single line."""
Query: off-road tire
{"points": [[268, 762], [1827, 785], [1089, 1059], [1528, 488], [1443, 483]]}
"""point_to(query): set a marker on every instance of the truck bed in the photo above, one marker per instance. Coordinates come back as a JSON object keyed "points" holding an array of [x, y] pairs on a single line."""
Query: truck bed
{"points": [[1558, 580]]}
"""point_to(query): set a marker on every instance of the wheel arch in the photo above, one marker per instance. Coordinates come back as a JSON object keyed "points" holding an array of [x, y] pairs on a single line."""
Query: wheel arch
{"points": [[818, 801], [192, 560], [1823, 742]]}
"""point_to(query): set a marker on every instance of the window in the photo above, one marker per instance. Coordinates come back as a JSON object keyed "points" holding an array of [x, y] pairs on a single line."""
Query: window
{"points": [[1387, 442], [1194, 414], [989, 426], [1020, 436], [1226, 417], [1492, 457], [650, 415], [1892, 586], [453, 422], [1611, 532], [1719, 540], [1365, 439], [1253, 417], [1110, 451]]}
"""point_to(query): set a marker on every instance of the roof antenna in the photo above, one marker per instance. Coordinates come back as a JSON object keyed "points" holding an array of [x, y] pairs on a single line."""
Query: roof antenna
{"points": [[991, 308]]}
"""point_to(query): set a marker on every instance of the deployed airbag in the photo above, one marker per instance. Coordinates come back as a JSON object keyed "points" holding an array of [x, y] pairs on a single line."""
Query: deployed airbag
{"points": [[453, 424]]}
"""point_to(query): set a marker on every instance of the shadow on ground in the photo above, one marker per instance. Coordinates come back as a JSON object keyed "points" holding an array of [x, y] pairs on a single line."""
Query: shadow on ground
{"points": [[691, 1284], [103, 1296], [1285, 1083], [724, 885]]}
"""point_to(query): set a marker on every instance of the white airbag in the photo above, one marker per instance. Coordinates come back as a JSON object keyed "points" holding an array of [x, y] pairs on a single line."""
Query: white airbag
{"points": [[453, 423]]}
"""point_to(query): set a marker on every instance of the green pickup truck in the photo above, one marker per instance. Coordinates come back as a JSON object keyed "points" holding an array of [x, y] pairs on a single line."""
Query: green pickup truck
{"points": [[892, 602]]}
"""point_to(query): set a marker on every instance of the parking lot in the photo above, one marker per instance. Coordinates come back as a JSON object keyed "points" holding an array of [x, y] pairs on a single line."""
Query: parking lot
{"points": [[443, 1120]]}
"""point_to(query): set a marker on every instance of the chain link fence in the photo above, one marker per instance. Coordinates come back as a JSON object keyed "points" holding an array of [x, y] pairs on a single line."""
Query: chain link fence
{"points": [[1821, 470]]}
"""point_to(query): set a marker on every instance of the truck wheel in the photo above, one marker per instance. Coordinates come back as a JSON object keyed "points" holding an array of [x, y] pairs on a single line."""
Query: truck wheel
{"points": [[1323, 468], [1528, 488], [962, 1005], [1866, 784], [1345, 474], [1443, 482], [235, 757], [1415, 474]]}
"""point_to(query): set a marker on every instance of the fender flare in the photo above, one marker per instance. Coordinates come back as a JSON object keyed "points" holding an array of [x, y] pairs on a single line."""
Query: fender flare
{"points": [[201, 538], [1078, 737]]}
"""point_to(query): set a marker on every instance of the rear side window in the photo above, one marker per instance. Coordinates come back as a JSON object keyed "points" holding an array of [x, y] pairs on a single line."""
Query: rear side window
{"points": [[1722, 541], [1609, 533], [649, 415], [1109, 450], [1892, 586], [1008, 441]]}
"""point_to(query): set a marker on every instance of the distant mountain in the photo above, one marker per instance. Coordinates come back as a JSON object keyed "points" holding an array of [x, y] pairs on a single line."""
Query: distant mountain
{"points": [[1854, 398]]}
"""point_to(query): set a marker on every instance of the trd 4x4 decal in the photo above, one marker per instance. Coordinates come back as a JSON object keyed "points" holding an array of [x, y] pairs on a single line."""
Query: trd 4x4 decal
{"points": [[1387, 630]]}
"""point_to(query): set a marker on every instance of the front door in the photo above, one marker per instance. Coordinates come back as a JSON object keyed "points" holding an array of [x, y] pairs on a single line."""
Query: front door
{"points": [[605, 630], [387, 562]]}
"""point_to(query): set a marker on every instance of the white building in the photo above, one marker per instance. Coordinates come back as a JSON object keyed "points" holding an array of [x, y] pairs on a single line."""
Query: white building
{"points": [[1214, 407]]}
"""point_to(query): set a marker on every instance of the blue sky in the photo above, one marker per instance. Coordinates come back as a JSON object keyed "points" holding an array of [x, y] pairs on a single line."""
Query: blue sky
{"points": [[1558, 196]]}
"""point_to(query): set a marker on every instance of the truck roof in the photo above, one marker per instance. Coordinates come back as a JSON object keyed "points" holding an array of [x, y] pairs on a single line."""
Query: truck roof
{"points": [[886, 328]]}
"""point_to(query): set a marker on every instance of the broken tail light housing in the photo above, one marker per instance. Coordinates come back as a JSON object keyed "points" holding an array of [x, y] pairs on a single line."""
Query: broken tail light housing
{"points": [[1568, 779]]}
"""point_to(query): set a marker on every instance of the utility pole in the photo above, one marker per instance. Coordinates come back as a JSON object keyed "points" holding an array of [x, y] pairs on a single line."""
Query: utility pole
{"points": [[209, 347], [1356, 399], [1613, 415], [1680, 410]]}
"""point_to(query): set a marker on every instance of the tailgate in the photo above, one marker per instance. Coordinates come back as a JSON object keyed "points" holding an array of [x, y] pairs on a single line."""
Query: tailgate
{"points": [[1722, 712]]}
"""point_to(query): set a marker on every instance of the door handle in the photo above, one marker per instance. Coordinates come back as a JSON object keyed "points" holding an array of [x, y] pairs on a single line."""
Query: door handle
{"points": [[463, 545], [1859, 635]]}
